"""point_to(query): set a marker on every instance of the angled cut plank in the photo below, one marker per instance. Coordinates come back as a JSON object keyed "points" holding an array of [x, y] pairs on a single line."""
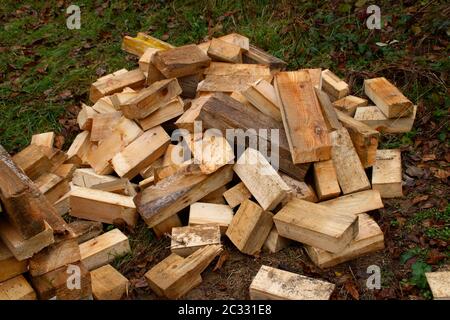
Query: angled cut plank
{"points": [[220, 50], [84, 117], [201, 213], [262, 95], [17, 288], [299, 189], [79, 148], [255, 55], [86, 177], [328, 111], [103, 123], [172, 109], [237, 194], [356, 203], [45, 139], [187, 240], [325, 179], [335, 87], [108, 283], [349, 104], [439, 283], [387, 173], [52, 186], [33, 161], [228, 83], [374, 118]]}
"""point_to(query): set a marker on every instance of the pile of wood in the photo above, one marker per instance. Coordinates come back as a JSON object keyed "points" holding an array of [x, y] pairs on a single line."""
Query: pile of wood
{"points": [[125, 165]]}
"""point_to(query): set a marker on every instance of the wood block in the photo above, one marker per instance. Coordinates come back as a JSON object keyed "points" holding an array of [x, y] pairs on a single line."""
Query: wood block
{"points": [[146, 183], [305, 126], [240, 97], [172, 109], [187, 240], [250, 227], [262, 95], [349, 104], [388, 98], [261, 179], [275, 242], [84, 117], [356, 203], [140, 153], [238, 69], [370, 238], [33, 161], [316, 225], [237, 39], [256, 55], [104, 249], [65, 171], [215, 197], [237, 194], [329, 113], [220, 50], [145, 64], [333, 86], [229, 83], [275, 284], [102, 206], [349, 170], [62, 205], [103, 123], [204, 46], [325, 179], [146, 59], [201, 213], [167, 197], [100, 88], [104, 105], [439, 283], [17, 288], [108, 283], [387, 173], [79, 148], [165, 227], [45, 139], [10, 267], [189, 85], [374, 118], [85, 230], [181, 61], [121, 186], [52, 186], [364, 138], [86, 177], [186, 121], [137, 45], [148, 172], [299, 189]]}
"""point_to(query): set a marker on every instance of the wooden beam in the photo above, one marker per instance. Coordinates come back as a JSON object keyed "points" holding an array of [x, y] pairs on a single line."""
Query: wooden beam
{"points": [[333, 86], [108, 283], [84, 117], [79, 148], [172, 109], [52, 186], [137, 45], [237, 39], [45, 139], [201, 213], [237, 194], [349, 104], [86, 177], [356, 203], [237, 69], [387, 173], [299, 189], [121, 186], [328, 111], [325, 179], [85, 230], [103, 124], [33, 161], [220, 50], [439, 282], [228, 83], [187, 240], [212, 152], [10, 267], [17, 288], [262, 95], [374, 118], [275, 242], [256, 55], [165, 228]]}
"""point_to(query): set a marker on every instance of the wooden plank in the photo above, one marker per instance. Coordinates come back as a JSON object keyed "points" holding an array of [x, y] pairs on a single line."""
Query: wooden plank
{"points": [[229, 83], [104, 105], [137, 45], [387, 98], [275, 242], [103, 123], [79, 148], [328, 111], [262, 95], [349, 104], [325, 180], [299, 189], [52, 186], [250, 227], [172, 109], [370, 238], [212, 152], [333, 86], [374, 118], [10, 267], [108, 283], [86, 177], [349, 170], [387, 173], [186, 240], [146, 59], [275, 284], [261, 179], [186, 121], [145, 64], [356, 203], [238, 69], [302, 118], [33, 161], [85, 230], [84, 117], [102, 206], [201, 213], [189, 85], [237, 39], [165, 228], [121, 186], [316, 225], [220, 50], [256, 55], [65, 171], [17, 288], [439, 283], [45, 139], [103, 249], [237, 194]]}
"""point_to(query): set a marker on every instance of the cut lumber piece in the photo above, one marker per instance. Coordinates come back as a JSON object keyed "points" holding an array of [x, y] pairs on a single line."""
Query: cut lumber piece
{"points": [[99, 157], [328, 111], [212, 151], [364, 138], [388, 98], [240, 97], [59, 284], [237, 39], [137, 45], [52, 186], [102, 206], [439, 283], [237, 194], [104, 105], [151, 98], [79, 148], [62, 205], [187, 240], [181, 61], [316, 225], [84, 117], [141, 153], [299, 189], [121, 186], [275, 284], [108, 283], [305, 126], [189, 85], [349, 104], [174, 276], [186, 167], [256, 55], [261, 179], [148, 172], [100, 88], [316, 77], [165, 227], [370, 238], [229, 83], [57, 157], [325, 179], [85, 230], [250, 227], [215, 197], [45, 139], [86, 177], [22, 248], [220, 50], [157, 203], [204, 46], [356, 203], [146, 59], [387, 173], [17, 288], [275, 242], [238, 69], [146, 182], [374, 118], [10, 267], [33, 161], [66, 171], [201, 213], [145, 64], [262, 95], [186, 121], [104, 249], [350, 172], [172, 109], [103, 123], [333, 86]]}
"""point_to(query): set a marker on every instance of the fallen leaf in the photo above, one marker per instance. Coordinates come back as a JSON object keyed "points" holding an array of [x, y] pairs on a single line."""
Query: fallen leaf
{"points": [[434, 256], [428, 157], [440, 173], [59, 141], [351, 288], [165, 36], [421, 198], [415, 171], [222, 258]]}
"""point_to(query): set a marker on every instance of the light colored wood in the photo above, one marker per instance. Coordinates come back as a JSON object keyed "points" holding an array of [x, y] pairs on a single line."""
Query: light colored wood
{"points": [[120, 186], [275, 242], [275, 284], [186, 121], [305, 126], [52, 186], [145, 65], [9, 265], [388, 98], [230, 69], [356, 203], [103, 124], [220, 50], [79, 148], [148, 172], [374, 118], [17, 288], [146, 182], [141, 153], [33, 161], [299, 189], [146, 59], [349, 104], [85, 230], [165, 227], [333, 86], [229, 83], [325, 180], [237, 194], [387, 173], [102, 206], [186, 167], [104, 105], [256, 55], [350, 172], [329, 113], [240, 97], [262, 95], [250, 227], [86, 177], [316, 225], [201, 213], [187, 240], [84, 117], [261, 179], [137, 45], [66, 171], [172, 109], [237, 39], [103, 249], [316, 77], [108, 283], [439, 283], [45, 139]]}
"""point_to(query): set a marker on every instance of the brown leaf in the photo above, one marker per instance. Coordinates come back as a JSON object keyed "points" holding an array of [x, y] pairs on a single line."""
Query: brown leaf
{"points": [[428, 157], [434, 256], [420, 198], [447, 157], [140, 283], [59, 141], [440, 173], [165, 36], [222, 258], [351, 289]]}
